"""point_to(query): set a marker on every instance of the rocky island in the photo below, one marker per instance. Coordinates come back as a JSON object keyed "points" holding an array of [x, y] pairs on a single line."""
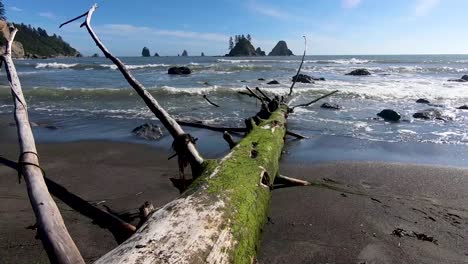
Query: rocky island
{"points": [[242, 47], [281, 49]]}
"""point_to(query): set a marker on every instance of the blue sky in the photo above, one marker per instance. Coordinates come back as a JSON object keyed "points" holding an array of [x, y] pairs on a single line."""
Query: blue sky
{"points": [[331, 26]]}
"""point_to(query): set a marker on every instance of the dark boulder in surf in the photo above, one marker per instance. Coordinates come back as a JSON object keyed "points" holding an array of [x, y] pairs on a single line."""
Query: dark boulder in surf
{"points": [[389, 115], [273, 82], [430, 114], [179, 70], [330, 106], [422, 101], [148, 131], [304, 78], [463, 107], [359, 72], [464, 78]]}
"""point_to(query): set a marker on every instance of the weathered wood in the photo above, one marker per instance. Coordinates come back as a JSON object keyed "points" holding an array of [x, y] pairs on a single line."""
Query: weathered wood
{"points": [[145, 211], [220, 217], [171, 125], [51, 229], [229, 139], [268, 99], [284, 180], [229, 129], [209, 101], [119, 228], [300, 67]]}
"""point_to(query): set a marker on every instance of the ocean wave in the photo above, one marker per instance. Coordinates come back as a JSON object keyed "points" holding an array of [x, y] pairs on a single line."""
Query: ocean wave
{"points": [[80, 66], [56, 65], [339, 61]]}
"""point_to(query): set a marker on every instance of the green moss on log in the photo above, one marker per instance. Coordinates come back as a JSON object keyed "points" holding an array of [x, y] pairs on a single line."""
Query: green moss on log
{"points": [[237, 179]]}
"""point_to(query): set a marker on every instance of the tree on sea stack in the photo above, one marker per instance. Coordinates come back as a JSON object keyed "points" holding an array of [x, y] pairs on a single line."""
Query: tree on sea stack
{"points": [[219, 216], [145, 52], [184, 53]]}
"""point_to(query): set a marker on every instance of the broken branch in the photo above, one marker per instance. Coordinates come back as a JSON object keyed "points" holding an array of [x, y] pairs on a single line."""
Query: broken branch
{"points": [[300, 66], [209, 101], [315, 100], [284, 180], [229, 139], [255, 95], [263, 94]]}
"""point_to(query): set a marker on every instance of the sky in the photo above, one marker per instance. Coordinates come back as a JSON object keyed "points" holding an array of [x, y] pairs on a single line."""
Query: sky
{"points": [[332, 27]]}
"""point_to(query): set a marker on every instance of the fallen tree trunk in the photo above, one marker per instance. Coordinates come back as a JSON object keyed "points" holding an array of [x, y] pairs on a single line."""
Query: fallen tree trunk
{"points": [[51, 229], [220, 217]]}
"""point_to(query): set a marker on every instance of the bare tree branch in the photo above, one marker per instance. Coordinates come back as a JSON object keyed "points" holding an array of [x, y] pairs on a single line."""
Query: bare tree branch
{"points": [[263, 94], [281, 179], [315, 100], [229, 129], [171, 125], [300, 67], [52, 231], [255, 95], [229, 139], [209, 101]]}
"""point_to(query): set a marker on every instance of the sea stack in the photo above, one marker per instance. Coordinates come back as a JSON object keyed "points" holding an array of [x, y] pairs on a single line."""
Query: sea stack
{"points": [[281, 49], [243, 48], [145, 52], [184, 53]]}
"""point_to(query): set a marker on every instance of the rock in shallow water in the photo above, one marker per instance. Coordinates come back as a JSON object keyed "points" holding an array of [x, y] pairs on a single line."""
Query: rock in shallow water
{"points": [[422, 101], [359, 72], [464, 78], [179, 70], [273, 82], [389, 115], [302, 78], [430, 114], [148, 131], [330, 106], [463, 107]]}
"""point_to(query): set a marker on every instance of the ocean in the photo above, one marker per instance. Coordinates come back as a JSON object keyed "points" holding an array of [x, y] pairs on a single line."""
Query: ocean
{"points": [[87, 98]]}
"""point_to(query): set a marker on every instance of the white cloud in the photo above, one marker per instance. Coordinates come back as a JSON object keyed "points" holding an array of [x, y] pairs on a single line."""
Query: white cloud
{"points": [[424, 7], [127, 29], [268, 10], [16, 9], [350, 3], [48, 15]]}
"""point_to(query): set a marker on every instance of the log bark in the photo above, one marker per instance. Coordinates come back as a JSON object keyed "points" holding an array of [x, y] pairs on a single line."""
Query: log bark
{"points": [[51, 229], [220, 217]]}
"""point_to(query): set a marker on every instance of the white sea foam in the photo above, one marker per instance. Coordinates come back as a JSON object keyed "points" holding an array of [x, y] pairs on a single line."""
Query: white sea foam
{"points": [[134, 67], [56, 65]]}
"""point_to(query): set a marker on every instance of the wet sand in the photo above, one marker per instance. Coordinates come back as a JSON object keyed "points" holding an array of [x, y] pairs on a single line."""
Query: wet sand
{"points": [[349, 218]]}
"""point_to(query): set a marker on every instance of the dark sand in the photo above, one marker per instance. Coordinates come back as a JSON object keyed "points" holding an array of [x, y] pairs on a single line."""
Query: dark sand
{"points": [[350, 221]]}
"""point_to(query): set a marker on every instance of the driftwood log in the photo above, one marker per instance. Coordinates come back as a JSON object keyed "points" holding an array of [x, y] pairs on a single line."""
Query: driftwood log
{"points": [[58, 244]]}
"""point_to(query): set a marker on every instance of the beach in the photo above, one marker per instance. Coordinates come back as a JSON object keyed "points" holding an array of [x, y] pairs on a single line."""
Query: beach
{"points": [[348, 218]]}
